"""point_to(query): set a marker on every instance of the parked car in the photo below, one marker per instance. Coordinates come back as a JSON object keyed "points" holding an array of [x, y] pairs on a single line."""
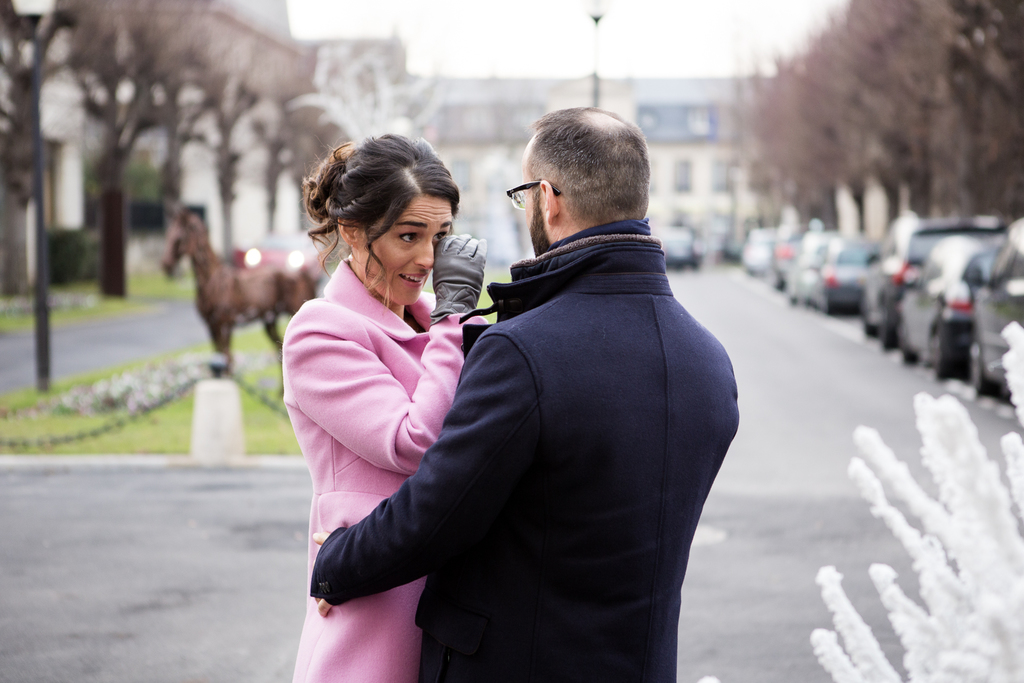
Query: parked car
{"points": [[997, 302], [682, 248], [840, 286], [904, 250], [782, 259], [937, 320], [804, 270], [757, 250]]}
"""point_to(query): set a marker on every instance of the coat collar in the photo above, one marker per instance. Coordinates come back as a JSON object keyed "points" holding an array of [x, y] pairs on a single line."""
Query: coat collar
{"points": [[616, 248], [345, 289]]}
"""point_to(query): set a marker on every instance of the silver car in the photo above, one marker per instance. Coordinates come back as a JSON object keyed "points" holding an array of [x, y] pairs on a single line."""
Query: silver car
{"points": [[805, 269]]}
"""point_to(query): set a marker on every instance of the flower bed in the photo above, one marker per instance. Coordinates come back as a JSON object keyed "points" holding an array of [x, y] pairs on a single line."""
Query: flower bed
{"points": [[135, 390]]}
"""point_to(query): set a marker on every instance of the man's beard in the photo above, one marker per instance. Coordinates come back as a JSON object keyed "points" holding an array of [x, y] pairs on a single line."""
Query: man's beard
{"points": [[538, 236]]}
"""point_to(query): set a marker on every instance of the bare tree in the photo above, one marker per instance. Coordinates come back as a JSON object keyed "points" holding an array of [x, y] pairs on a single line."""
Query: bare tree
{"points": [[179, 101], [293, 140], [244, 68], [363, 88], [117, 58], [16, 161]]}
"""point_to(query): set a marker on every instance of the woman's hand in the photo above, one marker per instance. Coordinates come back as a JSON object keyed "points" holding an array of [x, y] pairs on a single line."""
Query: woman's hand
{"points": [[322, 606], [459, 262]]}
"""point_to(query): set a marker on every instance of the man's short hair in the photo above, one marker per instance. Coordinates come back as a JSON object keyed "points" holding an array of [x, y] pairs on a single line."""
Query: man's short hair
{"points": [[598, 161]]}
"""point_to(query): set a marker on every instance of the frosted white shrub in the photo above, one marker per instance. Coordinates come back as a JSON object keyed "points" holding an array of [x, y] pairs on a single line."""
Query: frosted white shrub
{"points": [[965, 545]]}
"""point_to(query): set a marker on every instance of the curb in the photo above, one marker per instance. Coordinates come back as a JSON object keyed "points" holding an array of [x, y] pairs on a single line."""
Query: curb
{"points": [[67, 462]]}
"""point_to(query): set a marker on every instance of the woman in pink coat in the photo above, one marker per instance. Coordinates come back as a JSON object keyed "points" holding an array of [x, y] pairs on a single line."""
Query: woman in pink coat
{"points": [[368, 377]]}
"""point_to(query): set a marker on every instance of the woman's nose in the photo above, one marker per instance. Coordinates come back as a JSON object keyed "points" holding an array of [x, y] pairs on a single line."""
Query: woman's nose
{"points": [[425, 255]]}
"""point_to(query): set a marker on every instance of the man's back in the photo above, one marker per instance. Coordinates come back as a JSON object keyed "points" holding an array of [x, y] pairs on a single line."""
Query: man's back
{"points": [[578, 577]]}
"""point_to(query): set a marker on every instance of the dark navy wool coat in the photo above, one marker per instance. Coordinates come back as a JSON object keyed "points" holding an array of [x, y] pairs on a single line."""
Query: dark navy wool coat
{"points": [[555, 513]]}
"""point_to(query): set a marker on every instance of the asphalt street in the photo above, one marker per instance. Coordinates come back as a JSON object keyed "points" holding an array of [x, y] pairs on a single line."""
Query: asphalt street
{"points": [[782, 506], [132, 573], [83, 347]]}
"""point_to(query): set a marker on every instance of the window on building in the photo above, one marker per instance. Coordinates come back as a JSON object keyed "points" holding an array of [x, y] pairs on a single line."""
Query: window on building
{"points": [[720, 177], [461, 174], [684, 173]]}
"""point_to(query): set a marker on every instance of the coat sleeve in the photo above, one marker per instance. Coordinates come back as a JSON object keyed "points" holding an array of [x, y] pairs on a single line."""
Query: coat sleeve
{"points": [[343, 386], [488, 441]]}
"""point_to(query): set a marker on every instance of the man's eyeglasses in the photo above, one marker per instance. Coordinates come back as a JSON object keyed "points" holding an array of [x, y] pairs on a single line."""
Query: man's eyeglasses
{"points": [[518, 194]]}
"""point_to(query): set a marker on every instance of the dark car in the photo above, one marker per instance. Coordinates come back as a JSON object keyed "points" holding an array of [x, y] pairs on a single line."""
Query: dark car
{"points": [[682, 248], [937, 321], [840, 286], [904, 250], [997, 303]]}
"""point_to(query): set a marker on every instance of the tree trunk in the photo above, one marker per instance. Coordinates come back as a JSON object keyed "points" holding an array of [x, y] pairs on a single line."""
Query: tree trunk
{"points": [[858, 193], [15, 264], [170, 176], [227, 198], [112, 243], [892, 198]]}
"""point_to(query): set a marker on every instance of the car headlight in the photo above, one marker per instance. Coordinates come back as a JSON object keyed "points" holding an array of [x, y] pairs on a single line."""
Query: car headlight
{"points": [[253, 257], [296, 260]]}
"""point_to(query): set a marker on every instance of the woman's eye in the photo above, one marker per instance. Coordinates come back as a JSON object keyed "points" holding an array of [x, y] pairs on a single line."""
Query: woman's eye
{"points": [[407, 237]]}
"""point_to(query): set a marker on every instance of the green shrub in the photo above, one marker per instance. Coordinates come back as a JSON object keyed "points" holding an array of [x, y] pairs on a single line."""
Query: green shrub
{"points": [[74, 256]]}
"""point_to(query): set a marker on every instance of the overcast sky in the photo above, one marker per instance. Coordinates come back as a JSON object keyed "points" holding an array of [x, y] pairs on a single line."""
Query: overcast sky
{"points": [[555, 38]]}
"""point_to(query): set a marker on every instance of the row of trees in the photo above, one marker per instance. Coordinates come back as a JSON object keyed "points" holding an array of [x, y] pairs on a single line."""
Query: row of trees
{"points": [[190, 69], [923, 96]]}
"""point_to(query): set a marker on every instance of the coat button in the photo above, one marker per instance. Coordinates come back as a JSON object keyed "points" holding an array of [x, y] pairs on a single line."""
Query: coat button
{"points": [[325, 587]]}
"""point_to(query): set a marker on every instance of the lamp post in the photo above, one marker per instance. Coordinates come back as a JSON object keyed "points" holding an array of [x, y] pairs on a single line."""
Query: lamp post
{"points": [[34, 10], [596, 9]]}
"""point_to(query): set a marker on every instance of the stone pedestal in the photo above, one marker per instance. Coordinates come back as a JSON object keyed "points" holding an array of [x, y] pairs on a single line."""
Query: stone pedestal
{"points": [[217, 433]]}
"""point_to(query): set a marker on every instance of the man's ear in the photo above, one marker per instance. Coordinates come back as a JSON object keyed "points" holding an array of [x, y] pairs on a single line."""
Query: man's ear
{"points": [[552, 204]]}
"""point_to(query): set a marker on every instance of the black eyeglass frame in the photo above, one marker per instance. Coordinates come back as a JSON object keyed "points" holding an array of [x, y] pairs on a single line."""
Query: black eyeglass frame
{"points": [[527, 186]]}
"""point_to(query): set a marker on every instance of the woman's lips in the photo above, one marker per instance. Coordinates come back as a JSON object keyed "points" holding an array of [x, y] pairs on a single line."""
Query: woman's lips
{"points": [[413, 280]]}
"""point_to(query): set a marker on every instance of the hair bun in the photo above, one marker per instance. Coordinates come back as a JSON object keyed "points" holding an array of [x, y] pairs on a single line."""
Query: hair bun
{"points": [[324, 186]]}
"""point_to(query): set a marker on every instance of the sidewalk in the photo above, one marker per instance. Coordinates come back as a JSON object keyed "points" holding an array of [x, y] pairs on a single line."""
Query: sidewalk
{"points": [[95, 345]]}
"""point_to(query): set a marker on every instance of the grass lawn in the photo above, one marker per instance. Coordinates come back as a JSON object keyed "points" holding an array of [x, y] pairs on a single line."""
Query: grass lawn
{"points": [[159, 286], [165, 430]]}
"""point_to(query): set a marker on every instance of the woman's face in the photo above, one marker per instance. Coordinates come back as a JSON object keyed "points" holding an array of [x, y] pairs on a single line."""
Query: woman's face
{"points": [[406, 251]]}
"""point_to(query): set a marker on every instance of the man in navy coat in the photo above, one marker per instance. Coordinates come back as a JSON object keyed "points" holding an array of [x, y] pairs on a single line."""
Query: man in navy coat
{"points": [[555, 513]]}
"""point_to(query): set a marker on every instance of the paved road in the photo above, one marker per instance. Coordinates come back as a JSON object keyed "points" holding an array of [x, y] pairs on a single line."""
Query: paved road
{"points": [[122, 575], [152, 575], [100, 344], [783, 501]]}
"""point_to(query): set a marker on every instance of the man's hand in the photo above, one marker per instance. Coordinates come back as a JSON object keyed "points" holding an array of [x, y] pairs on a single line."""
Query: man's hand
{"points": [[322, 606]]}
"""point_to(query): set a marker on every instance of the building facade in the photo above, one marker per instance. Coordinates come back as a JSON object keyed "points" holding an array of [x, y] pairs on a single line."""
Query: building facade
{"points": [[698, 176]]}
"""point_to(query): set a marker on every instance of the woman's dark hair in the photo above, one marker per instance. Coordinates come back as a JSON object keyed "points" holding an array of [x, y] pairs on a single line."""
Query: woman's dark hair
{"points": [[370, 185]]}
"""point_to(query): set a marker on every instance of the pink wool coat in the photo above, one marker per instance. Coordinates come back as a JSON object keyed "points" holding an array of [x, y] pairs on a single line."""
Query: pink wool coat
{"points": [[367, 396]]}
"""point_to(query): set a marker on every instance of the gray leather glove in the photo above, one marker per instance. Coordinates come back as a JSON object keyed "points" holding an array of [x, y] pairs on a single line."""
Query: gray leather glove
{"points": [[459, 262]]}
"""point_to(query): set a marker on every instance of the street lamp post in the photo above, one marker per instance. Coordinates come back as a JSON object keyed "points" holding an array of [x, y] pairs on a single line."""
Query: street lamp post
{"points": [[34, 10], [596, 9]]}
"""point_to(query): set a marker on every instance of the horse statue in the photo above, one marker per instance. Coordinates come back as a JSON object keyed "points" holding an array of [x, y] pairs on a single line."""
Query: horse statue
{"points": [[227, 296]]}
